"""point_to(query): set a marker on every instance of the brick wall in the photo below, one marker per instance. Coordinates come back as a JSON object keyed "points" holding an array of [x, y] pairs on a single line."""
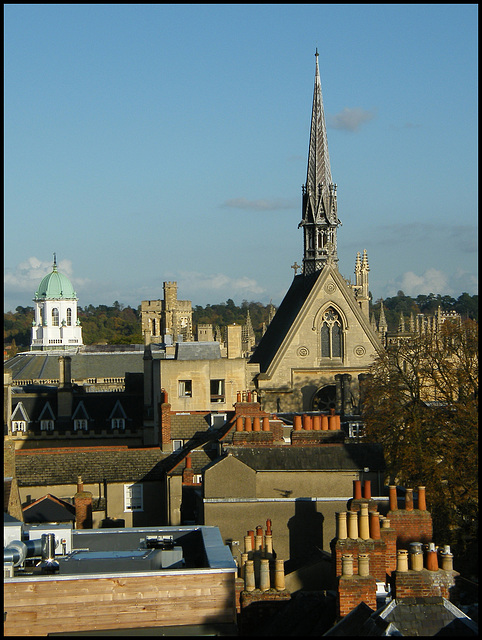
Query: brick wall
{"points": [[419, 584], [411, 526], [352, 590]]}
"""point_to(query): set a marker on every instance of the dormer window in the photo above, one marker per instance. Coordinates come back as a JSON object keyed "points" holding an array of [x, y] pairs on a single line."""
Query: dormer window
{"points": [[46, 425], [80, 425], [19, 425], [118, 423]]}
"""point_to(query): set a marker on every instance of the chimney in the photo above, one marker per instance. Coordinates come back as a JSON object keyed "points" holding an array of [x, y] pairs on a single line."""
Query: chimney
{"points": [[363, 564], [248, 544], [364, 528], [64, 392], [333, 423], [65, 372], [393, 498], [279, 575], [83, 506], [268, 526], [342, 530], [353, 525], [416, 556], [447, 559], [316, 423], [324, 423], [239, 423], [266, 423], [297, 423], [431, 562], [234, 341], [367, 490], [402, 560], [422, 504], [375, 525], [409, 499], [347, 564], [249, 582], [357, 490], [307, 423], [188, 473], [264, 584], [247, 424], [256, 424]]}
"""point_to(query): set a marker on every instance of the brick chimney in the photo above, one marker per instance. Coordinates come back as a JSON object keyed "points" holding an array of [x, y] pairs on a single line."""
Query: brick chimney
{"points": [[83, 506], [165, 417], [188, 473], [354, 589]]}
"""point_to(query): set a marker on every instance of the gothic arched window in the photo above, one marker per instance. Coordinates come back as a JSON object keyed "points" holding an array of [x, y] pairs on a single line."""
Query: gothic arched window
{"points": [[69, 317], [55, 317], [331, 335]]}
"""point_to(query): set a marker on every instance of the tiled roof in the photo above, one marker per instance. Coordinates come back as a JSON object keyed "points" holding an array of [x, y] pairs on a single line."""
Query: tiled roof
{"points": [[283, 320], [42, 467], [322, 457], [49, 509], [185, 426]]}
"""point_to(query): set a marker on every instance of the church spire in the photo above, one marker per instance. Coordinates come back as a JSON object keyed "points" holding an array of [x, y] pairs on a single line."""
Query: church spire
{"points": [[320, 219]]}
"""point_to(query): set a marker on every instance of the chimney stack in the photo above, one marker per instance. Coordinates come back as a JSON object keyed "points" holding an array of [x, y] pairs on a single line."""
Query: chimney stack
{"points": [[393, 498]]}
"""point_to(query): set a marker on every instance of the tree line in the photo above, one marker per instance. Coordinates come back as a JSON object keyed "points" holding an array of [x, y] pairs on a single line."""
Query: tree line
{"points": [[119, 324]]}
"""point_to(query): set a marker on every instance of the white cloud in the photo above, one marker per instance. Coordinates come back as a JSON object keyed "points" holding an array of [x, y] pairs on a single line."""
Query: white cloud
{"points": [[192, 284], [263, 204], [350, 119], [24, 280]]}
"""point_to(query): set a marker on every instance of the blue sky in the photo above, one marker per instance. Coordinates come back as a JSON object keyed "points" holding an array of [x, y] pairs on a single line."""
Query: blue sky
{"points": [[147, 143]]}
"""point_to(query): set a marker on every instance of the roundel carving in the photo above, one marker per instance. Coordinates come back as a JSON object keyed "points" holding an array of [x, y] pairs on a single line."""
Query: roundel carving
{"points": [[359, 350], [303, 352], [330, 287]]}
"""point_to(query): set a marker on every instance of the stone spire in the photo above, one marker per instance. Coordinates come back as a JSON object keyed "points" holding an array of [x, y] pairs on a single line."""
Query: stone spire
{"points": [[320, 219]]}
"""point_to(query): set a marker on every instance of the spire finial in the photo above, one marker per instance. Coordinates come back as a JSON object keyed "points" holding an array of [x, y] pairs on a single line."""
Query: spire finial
{"points": [[55, 262]]}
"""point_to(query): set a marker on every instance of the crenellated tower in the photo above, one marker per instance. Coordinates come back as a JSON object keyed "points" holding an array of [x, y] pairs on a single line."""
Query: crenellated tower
{"points": [[320, 220]]}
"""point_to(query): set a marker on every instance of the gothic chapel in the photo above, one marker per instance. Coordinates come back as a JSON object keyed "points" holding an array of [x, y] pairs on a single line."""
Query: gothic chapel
{"points": [[320, 342]]}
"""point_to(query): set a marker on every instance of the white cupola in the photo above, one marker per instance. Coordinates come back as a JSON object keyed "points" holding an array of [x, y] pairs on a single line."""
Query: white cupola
{"points": [[55, 324]]}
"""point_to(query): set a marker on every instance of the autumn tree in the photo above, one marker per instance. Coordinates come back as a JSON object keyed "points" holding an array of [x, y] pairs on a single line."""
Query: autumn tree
{"points": [[420, 402]]}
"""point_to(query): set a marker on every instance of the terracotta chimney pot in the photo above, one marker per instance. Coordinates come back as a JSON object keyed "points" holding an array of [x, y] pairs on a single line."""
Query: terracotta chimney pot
{"points": [[367, 489], [332, 423], [238, 396], [297, 423], [447, 562], [422, 503], [266, 423], [268, 543], [239, 423], [409, 500], [264, 575], [307, 424], [375, 525], [316, 423], [80, 484], [251, 535], [357, 490], [324, 423], [431, 562], [256, 424], [393, 497], [188, 461], [247, 424], [248, 544]]}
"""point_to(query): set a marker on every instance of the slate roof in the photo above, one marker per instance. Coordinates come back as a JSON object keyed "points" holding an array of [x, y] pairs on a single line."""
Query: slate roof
{"points": [[98, 406], [49, 509], [283, 320], [84, 364], [198, 351], [42, 467], [185, 426], [325, 457]]}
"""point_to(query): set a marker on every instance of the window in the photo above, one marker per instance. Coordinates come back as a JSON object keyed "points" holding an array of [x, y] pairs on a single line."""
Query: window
{"points": [[185, 388], [55, 317], [331, 336], [218, 420], [153, 327], [19, 425], [80, 425], [69, 317], [118, 423], [133, 497], [217, 391], [46, 425], [177, 444]]}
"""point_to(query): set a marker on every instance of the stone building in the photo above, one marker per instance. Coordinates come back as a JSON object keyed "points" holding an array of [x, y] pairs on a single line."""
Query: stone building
{"points": [[167, 317], [321, 339]]}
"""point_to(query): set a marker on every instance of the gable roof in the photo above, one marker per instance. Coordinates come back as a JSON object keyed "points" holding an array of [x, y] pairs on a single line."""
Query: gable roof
{"points": [[49, 509]]}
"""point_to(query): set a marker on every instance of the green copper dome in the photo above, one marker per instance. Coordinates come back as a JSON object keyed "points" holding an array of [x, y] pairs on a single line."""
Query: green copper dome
{"points": [[55, 286]]}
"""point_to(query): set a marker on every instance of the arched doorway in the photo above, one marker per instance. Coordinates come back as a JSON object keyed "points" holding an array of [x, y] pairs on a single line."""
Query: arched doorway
{"points": [[325, 398]]}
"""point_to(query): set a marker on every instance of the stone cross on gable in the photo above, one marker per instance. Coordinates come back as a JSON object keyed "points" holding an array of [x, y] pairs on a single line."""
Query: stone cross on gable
{"points": [[295, 266]]}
